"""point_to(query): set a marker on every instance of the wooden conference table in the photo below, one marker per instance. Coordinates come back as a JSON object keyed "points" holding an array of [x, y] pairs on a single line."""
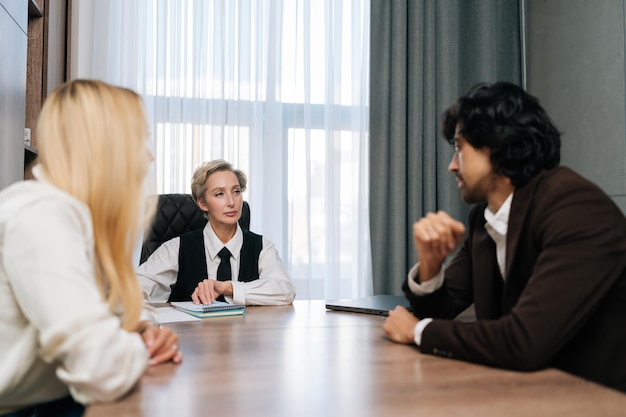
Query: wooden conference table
{"points": [[302, 360]]}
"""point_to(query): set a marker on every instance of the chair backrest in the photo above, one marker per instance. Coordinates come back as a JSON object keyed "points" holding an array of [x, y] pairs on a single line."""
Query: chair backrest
{"points": [[175, 215]]}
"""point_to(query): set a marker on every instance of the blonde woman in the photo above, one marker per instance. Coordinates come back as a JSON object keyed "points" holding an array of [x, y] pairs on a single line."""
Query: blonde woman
{"points": [[73, 330], [220, 261]]}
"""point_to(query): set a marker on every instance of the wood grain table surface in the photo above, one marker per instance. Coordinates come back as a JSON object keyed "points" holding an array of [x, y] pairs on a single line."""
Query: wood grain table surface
{"points": [[304, 360]]}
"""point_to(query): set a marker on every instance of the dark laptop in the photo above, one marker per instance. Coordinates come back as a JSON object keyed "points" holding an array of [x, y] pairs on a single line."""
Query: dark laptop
{"points": [[375, 304]]}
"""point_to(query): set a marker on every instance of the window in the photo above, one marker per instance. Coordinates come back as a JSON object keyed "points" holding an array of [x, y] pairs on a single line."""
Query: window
{"points": [[279, 89]]}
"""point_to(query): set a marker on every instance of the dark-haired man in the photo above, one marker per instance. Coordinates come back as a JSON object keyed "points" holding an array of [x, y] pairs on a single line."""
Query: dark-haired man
{"points": [[544, 259]]}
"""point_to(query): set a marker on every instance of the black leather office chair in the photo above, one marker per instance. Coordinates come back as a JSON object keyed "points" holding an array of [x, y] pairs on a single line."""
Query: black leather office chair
{"points": [[175, 215]]}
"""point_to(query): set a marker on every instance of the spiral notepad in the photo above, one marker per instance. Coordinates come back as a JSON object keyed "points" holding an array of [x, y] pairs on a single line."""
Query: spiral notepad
{"points": [[206, 308]]}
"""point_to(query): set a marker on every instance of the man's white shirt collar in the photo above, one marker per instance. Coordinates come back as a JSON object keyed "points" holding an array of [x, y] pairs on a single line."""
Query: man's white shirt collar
{"points": [[499, 221]]}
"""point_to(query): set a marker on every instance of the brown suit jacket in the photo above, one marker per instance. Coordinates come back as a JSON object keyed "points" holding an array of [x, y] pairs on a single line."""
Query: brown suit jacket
{"points": [[563, 302]]}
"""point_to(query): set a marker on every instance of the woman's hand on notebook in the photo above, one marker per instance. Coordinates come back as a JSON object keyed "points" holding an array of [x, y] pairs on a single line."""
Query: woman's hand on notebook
{"points": [[209, 289]]}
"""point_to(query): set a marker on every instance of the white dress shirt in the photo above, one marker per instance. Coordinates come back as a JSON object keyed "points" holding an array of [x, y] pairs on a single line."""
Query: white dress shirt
{"points": [[160, 271], [57, 335], [497, 226]]}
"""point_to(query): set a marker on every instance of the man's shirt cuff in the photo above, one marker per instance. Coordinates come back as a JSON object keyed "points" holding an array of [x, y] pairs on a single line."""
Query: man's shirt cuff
{"points": [[419, 329], [425, 287]]}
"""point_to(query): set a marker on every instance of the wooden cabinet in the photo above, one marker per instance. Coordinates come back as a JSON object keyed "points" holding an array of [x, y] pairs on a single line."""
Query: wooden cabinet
{"points": [[47, 62], [34, 71]]}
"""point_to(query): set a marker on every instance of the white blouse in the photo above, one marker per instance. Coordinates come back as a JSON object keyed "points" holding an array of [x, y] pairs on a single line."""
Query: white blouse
{"points": [[57, 335]]}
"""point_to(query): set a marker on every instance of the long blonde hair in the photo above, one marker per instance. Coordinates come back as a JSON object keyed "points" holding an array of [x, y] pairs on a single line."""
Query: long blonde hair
{"points": [[92, 145]]}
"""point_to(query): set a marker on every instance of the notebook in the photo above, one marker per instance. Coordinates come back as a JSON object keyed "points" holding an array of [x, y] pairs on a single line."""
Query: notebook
{"points": [[215, 309], [219, 313], [375, 304]]}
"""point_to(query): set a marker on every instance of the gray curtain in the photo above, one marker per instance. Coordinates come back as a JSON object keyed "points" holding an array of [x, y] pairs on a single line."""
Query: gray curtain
{"points": [[424, 54]]}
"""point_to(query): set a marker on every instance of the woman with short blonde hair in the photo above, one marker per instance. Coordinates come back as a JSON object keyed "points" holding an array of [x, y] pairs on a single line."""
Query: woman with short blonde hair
{"points": [[221, 261], [204, 171]]}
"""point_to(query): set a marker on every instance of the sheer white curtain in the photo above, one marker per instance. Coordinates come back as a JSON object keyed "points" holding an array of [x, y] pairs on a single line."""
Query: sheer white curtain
{"points": [[277, 87]]}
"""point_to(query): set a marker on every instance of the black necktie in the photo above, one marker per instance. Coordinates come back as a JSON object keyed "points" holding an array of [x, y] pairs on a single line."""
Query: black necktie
{"points": [[223, 271]]}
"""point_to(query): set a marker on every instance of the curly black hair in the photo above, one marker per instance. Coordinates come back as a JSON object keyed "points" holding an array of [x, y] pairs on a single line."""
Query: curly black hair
{"points": [[522, 138]]}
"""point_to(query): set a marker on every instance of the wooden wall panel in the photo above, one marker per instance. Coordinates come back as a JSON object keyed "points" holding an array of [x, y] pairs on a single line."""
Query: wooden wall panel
{"points": [[34, 72]]}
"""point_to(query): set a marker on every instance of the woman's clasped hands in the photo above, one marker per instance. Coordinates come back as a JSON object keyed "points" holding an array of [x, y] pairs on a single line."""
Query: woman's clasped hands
{"points": [[162, 344]]}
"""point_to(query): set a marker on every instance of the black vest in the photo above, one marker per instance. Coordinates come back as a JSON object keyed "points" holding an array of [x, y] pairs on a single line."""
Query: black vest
{"points": [[192, 265]]}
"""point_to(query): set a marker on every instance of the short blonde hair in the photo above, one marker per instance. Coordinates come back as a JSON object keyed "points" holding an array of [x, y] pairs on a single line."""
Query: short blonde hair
{"points": [[204, 171], [92, 144]]}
